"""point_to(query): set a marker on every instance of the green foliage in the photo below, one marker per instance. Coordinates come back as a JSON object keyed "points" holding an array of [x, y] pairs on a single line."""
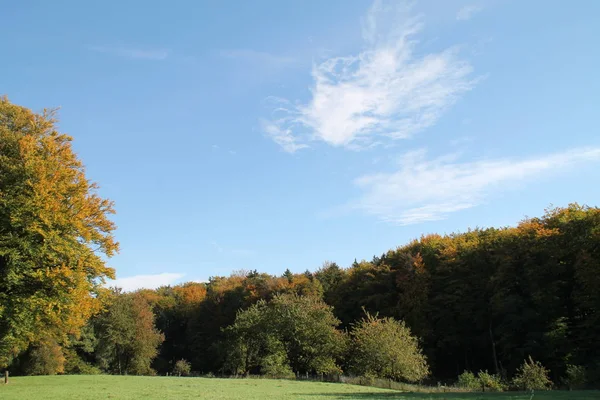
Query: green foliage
{"points": [[575, 376], [490, 382], [385, 348], [75, 365], [182, 368], [275, 362], [532, 376], [44, 357], [127, 338], [483, 381], [79, 352], [468, 380], [288, 333]]}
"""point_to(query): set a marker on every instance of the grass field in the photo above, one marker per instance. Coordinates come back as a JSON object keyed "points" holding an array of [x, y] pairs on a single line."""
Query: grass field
{"points": [[122, 387]]}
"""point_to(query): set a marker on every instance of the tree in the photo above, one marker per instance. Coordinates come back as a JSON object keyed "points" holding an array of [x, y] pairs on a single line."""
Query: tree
{"points": [[307, 327], [289, 333], [173, 308], [385, 348], [182, 367], [127, 338], [79, 352], [331, 276], [532, 376], [54, 231]]}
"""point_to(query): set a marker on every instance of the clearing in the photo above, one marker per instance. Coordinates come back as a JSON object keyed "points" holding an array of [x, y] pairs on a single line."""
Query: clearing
{"points": [[133, 387]]}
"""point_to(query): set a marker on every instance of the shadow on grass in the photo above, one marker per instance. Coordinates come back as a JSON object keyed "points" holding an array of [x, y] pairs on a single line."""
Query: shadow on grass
{"points": [[551, 395], [405, 396]]}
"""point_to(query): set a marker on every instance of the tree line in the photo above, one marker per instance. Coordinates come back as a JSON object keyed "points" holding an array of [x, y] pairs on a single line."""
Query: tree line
{"points": [[481, 301]]}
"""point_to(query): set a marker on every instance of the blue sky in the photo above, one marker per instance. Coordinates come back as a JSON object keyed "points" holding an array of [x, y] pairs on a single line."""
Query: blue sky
{"points": [[280, 134]]}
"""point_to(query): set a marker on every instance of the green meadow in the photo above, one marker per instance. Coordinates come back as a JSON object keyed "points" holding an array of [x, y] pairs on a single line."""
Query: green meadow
{"points": [[95, 387]]}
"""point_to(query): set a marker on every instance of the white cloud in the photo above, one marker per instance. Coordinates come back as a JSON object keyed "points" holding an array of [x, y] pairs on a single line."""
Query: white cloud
{"points": [[132, 53], [282, 135], [467, 12], [132, 283], [428, 190], [388, 91]]}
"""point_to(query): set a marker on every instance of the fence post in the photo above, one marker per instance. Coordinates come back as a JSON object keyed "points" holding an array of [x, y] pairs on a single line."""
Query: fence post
{"points": [[6, 377]]}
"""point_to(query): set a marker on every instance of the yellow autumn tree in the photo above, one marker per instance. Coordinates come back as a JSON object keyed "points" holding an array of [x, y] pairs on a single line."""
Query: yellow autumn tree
{"points": [[54, 232]]}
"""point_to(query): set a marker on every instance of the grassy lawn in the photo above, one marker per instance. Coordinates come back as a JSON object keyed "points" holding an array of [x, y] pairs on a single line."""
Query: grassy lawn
{"points": [[119, 387]]}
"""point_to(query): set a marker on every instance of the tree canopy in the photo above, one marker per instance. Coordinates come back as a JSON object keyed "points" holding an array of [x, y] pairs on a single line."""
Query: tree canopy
{"points": [[289, 333], [127, 338], [54, 230]]}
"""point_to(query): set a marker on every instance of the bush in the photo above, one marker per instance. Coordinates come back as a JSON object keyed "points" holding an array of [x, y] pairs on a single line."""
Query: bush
{"points": [[386, 348], [182, 367], [575, 376], [490, 382], [482, 381], [468, 380], [532, 376]]}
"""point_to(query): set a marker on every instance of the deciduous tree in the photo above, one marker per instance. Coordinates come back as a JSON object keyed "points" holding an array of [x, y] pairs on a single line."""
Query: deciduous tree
{"points": [[54, 231], [127, 338]]}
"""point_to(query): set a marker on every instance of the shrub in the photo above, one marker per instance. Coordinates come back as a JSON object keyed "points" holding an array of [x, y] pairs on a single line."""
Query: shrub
{"points": [[468, 380], [482, 381], [490, 382], [575, 376], [532, 376], [386, 348], [182, 367]]}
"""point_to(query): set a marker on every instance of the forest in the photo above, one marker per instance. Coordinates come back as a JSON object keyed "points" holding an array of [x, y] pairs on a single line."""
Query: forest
{"points": [[438, 308]]}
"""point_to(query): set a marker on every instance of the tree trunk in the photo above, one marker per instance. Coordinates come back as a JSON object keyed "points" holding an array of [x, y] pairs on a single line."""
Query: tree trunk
{"points": [[6, 377], [493, 348]]}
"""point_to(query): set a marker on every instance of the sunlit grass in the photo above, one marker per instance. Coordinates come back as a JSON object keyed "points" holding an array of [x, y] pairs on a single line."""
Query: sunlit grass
{"points": [[132, 387]]}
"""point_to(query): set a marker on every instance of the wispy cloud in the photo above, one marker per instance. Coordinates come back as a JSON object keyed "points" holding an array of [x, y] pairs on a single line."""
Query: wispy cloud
{"points": [[387, 91], [260, 58], [428, 190], [132, 283], [132, 53], [282, 135], [467, 12]]}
